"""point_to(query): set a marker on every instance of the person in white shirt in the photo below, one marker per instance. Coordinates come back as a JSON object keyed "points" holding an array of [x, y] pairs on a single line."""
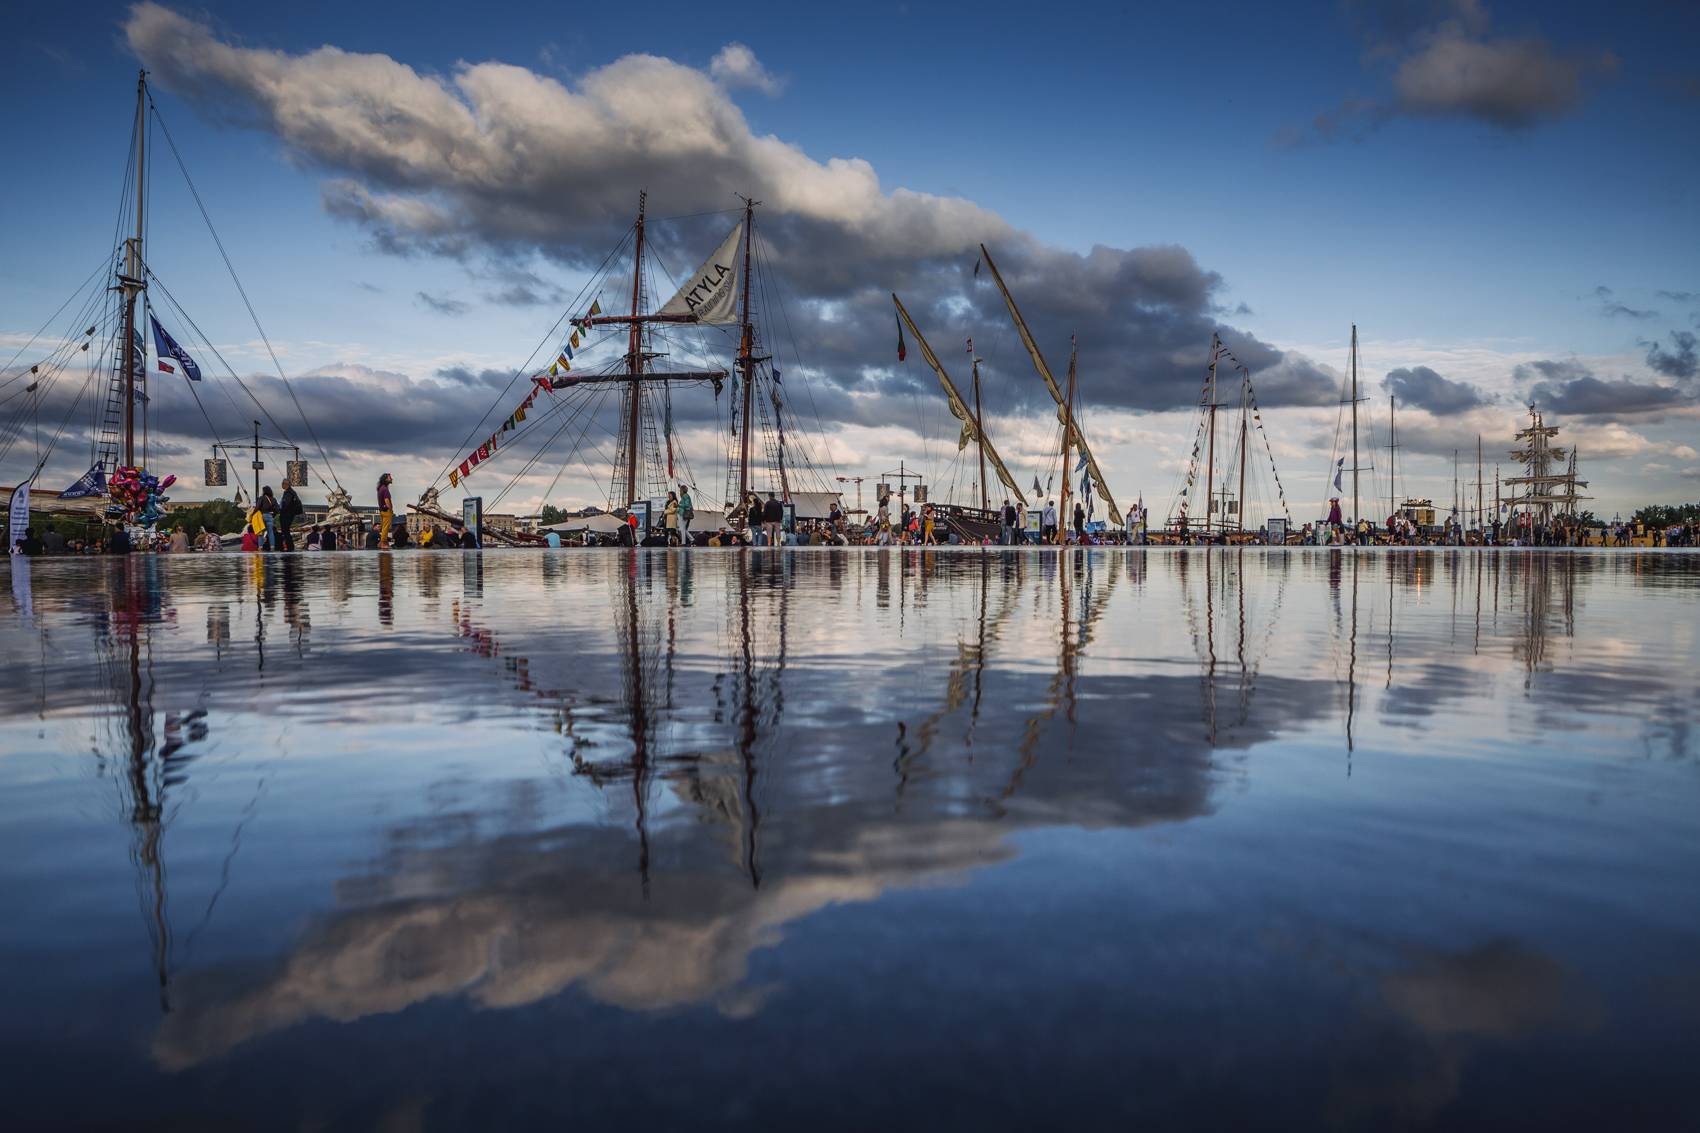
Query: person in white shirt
{"points": [[1049, 521]]}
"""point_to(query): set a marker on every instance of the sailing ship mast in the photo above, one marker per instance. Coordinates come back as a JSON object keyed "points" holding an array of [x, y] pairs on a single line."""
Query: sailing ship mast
{"points": [[980, 434], [746, 361], [637, 374], [131, 281], [1068, 433], [1210, 450], [1051, 385], [634, 359]]}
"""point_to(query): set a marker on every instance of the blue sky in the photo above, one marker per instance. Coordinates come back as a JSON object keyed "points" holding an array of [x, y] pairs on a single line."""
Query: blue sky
{"points": [[1444, 232]]}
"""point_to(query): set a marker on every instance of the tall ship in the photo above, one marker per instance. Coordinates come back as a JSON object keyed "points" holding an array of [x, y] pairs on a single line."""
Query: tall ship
{"points": [[1074, 457], [94, 377], [611, 375]]}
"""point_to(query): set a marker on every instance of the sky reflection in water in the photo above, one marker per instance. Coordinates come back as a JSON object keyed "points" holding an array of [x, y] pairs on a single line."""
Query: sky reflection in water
{"points": [[1266, 838]]}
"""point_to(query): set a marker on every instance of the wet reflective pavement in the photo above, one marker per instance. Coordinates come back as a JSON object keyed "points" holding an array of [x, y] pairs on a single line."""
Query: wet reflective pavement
{"points": [[852, 839]]}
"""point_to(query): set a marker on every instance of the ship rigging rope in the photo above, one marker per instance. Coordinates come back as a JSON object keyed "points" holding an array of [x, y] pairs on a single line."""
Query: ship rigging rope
{"points": [[763, 258], [583, 404], [104, 265], [243, 386], [590, 419], [590, 286], [243, 292], [46, 373]]}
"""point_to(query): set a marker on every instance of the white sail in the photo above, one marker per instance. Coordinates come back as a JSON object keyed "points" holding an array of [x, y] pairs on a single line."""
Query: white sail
{"points": [[711, 294]]}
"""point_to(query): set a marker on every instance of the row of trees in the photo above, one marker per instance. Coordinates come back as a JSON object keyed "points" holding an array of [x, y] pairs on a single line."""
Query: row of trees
{"points": [[1667, 515]]}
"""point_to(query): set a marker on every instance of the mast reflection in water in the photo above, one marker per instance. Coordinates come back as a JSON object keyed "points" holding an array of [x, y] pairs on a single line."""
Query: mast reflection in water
{"points": [[1214, 836]]}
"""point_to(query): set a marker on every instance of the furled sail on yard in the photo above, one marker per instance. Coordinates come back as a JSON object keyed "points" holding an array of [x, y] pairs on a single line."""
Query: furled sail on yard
{"points": [[711, 293], [1056, 391], [958, 407]]}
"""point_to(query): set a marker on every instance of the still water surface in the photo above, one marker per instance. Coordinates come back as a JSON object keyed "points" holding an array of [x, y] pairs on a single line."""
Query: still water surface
{"points": [[852, 839]]}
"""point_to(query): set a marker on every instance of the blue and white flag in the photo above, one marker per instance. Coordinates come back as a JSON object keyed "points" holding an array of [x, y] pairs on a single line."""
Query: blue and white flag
{"points": [[166, 345], [92, 483], [1339, 470], [1082, 462]]}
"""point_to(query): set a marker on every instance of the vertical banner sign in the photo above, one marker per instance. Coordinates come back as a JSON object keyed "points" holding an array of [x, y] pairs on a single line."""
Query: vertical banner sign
{"points": [[472, 514], [19, 518]]}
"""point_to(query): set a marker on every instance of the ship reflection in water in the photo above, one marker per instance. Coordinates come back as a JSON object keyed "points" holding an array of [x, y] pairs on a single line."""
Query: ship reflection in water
{"points": [[867, 839]]}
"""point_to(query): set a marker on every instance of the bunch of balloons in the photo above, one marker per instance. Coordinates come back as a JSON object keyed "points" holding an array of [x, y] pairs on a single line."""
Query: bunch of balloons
{"points": [[136, 495]]}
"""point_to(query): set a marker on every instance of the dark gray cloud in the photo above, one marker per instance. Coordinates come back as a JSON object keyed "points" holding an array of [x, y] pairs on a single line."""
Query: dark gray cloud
{"points": [[496, 163], [1421, 387], [1569, 387], [1680, 360], [1442, 61], [442, 305], [1680, 296]]}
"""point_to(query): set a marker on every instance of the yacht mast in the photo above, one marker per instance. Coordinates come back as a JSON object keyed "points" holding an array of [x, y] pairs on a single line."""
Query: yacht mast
{"points": [[1392, 456], [1245, 421], [1355, 505]]}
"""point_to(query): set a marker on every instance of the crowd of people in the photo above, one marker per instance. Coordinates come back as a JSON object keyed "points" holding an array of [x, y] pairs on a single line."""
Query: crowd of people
{"points": [[272, 519]]}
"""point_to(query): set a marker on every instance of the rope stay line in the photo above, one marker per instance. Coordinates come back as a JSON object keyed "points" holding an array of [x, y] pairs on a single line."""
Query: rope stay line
{"points": [[242, 291]]}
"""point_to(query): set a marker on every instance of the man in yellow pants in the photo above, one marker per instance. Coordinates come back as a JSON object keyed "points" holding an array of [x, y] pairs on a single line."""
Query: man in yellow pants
{"points": [[385, 512]]}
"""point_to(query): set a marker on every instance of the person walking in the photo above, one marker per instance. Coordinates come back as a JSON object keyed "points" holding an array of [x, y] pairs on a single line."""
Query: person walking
{"points": [[1079, 524], [928, 539], [268, 519], [687, 512], [288, 511], [772, 519], [1048, 522], [386, 510], [1006, 529], [670, 513]]}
